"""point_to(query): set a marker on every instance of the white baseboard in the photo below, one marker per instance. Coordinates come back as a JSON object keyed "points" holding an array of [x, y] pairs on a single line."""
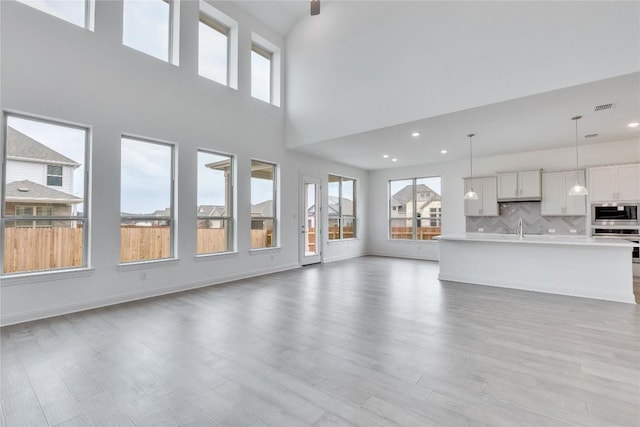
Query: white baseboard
{"points": [[405, 256], [343, 257], [28, 316]]}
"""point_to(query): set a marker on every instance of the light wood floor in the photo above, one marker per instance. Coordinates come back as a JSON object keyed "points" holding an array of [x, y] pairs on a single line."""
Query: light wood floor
{"points": [[369, 342]]}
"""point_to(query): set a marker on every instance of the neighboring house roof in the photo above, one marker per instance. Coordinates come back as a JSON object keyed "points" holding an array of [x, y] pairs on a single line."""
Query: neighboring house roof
{"points": [[334, 206], [402, 197], [29, 191], [262, 209], [212, 210], [162, 212], [24, 148]]}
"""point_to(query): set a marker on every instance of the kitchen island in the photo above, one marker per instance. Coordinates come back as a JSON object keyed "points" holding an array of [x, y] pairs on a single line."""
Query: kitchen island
{"points": [[567, 265]]}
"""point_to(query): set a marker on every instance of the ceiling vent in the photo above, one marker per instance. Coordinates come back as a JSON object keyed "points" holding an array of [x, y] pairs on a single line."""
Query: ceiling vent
{"points": [[591, 135], [603, 107]]}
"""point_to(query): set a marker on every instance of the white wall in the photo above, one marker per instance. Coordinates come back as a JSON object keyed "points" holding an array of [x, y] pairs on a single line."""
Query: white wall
{"points": [[453, 220], [54, 69], [371, 64]]}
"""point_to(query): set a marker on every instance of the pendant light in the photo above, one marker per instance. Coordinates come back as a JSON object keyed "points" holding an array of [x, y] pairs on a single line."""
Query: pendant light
{"points": [[577, 190], [471, 195]]}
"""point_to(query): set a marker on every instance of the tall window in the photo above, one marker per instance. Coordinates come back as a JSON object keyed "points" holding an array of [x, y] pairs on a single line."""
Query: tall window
{"points": [[215, 202], [146, 200], [263, 205], [261, 73], [148, 27], [74, 11], [44, 215], [415, 208], [213, 49], [342, 208]]}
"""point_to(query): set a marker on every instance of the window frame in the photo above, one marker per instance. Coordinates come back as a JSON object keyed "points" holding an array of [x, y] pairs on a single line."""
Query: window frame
{"points": [[89, 12], [223, 29], [275, 83], [171, 219], [267, 54], [85, 219], [231, 211], [173, 37], [414, 218], [51, 175], [275, 237], [340, 216]]}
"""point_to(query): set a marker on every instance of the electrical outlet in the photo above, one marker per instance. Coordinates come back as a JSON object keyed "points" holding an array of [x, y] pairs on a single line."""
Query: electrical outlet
{"points": [[143, 276], [481, 230], [551, 230]]}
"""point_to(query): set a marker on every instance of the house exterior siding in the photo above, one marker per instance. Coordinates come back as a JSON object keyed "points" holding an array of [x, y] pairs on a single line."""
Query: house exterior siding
{"points": [[37, 172]]}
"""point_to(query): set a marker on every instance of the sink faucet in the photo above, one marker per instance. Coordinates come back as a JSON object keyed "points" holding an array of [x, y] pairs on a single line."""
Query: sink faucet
{"points": [[520, 229]]}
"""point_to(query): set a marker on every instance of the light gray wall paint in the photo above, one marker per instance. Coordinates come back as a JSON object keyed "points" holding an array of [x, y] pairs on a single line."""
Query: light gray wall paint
{"points": [[54, 69]]}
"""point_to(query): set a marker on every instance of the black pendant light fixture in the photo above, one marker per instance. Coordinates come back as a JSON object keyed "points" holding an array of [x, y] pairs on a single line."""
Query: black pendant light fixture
{"points": [[315, 7]]}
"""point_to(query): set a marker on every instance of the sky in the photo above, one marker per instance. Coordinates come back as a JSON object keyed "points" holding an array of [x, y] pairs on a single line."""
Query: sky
{"points": [[260, 77], [211, 183], [68, 141], [145, 177], [146, 27], [212, 54]]}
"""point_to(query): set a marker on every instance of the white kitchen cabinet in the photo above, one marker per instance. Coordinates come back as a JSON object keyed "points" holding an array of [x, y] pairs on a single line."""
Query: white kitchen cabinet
{"points": [[556, 200], [614, 183], [487, 203], [523, 185]]}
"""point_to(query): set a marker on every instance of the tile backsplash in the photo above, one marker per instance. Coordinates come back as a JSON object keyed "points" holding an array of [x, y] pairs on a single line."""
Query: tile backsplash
{"points": [[534, 222]]}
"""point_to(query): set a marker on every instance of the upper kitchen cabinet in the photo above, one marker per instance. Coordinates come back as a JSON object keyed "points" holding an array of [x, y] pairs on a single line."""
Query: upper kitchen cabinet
{"points": [[524, 185], [614, 183], [487, 202], [556, 200]]}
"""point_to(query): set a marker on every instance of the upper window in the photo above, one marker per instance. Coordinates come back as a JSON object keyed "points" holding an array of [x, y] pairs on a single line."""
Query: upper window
{"points": [[261, 73], [263, 205], [342, 208], [415, 208], [213, 49], [149, 26], [77, 12], [265, 70], [54, 175], [45, 228], [215, 202], [146, 200]]}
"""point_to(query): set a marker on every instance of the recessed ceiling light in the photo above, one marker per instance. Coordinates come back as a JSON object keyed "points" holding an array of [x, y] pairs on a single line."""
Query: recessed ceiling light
{"points": [[394, 160], [443, 151], [385, 156], [633, 125], [415, 134]]}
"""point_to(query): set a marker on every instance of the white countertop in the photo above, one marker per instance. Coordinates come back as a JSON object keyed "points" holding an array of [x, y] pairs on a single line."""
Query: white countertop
{"points": [[538, 239]]}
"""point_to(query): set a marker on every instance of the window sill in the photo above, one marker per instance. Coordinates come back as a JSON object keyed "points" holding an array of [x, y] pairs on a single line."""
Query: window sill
{"points": [[45, 276], [143, 265], [216, 255], [264, 250], [342, 241]]}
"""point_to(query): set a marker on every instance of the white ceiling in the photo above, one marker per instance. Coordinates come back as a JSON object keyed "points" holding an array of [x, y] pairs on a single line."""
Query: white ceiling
{"points": [[531, 123]]}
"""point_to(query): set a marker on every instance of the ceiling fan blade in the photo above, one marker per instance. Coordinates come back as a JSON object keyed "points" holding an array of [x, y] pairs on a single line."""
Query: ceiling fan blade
{"points": [[315, 7]]}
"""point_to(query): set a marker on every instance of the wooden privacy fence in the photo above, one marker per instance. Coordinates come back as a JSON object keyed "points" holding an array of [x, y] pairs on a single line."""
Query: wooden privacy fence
{"points": [[144, 243], [423, 233], [31, 249], [212, 240]]}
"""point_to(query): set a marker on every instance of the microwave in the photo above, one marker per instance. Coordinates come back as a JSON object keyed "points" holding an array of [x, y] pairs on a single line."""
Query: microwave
{"points": [[615, 214]]}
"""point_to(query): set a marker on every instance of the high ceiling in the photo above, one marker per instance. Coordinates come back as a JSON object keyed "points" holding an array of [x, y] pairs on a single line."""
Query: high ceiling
{"points": [[355, 93], [530, 123]]}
